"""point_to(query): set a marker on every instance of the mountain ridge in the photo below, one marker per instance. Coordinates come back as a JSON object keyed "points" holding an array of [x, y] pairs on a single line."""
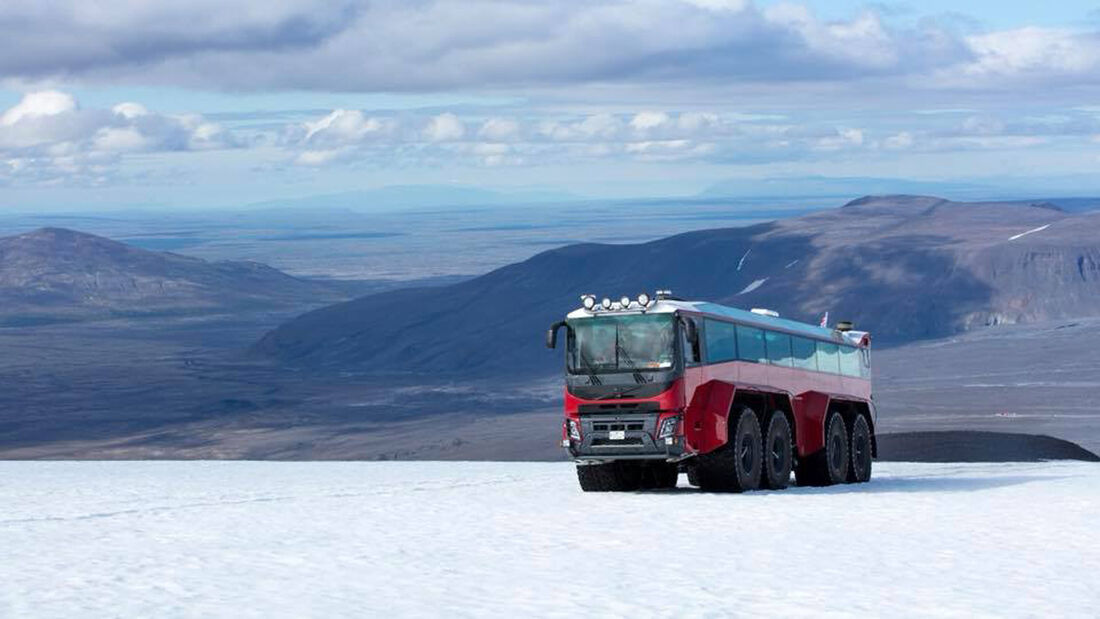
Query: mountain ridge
{"points": [[53, 274], [904, 273]]}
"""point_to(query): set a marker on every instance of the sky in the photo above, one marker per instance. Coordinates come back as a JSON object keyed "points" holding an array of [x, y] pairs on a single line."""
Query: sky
{"points": [[201, 104]]}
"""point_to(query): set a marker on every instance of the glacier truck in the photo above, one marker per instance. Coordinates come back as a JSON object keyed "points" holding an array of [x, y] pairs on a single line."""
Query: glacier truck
{"points": [[738, 399]]}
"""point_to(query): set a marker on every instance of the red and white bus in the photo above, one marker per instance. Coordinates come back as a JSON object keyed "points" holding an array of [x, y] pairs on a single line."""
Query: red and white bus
{"points": [[738, 399]]}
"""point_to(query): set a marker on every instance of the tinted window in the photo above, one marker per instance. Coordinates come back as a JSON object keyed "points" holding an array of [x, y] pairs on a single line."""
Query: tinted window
{"points": [[692, 354], [721, 343], [828, 357], [849, 361], [804, 350], [779, 348], [750, 344]]}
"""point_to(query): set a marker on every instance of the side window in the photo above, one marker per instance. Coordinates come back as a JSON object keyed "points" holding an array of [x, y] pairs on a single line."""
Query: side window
{"points": [[828, 357], [865, 362], [804, 350], [692, 354], [750, 344], [779, 348], [721, 342], [849, 361]]}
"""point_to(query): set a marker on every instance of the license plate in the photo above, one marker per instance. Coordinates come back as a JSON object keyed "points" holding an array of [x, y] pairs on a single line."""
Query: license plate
{"points": [[617, 435]]}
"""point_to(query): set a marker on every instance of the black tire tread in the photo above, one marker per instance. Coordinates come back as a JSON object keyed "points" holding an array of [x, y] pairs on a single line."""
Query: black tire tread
{"points": [[717, 471], [769, 478], [859, 425]]}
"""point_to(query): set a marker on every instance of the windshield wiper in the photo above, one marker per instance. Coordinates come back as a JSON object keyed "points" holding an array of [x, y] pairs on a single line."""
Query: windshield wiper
{"points": [[638, 376], [586, 365]]}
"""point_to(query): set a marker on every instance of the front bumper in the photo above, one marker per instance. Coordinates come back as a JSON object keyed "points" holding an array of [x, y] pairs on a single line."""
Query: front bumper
{"points": [[607, 437]]}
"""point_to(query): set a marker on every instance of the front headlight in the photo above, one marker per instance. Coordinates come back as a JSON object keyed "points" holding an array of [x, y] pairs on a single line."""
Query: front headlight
{"points": [[669, 426], [574, 430]]}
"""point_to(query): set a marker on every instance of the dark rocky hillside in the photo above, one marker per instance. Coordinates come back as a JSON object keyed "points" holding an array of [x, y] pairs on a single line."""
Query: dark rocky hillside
{"points": [[54, 274], [903, 267]]}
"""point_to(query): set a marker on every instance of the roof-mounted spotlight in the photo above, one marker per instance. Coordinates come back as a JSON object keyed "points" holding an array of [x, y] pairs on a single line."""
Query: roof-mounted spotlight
{"points": [[643, 299], [588, 301], [606, 303], [624, 302]]}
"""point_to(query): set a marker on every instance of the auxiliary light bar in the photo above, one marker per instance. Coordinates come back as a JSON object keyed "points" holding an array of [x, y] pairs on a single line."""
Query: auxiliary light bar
{"points": [[588, 301]]}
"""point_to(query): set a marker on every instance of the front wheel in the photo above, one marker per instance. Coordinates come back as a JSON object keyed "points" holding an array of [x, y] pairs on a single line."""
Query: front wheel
{"points": [[735, 466]]}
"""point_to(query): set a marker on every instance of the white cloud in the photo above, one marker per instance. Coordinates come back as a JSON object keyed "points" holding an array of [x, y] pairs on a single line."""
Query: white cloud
{"points": [[444, 128], [50, 138], [1034, 51], [900, 141], [721, 5], [319, 157], [119, 140], [644, 121], [37, 105], [499, 129], [341, 127], [130, 110], [696, 121]]}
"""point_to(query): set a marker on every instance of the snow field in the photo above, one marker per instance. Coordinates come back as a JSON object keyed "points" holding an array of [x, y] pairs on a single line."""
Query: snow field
{"points": [[263, 539]]}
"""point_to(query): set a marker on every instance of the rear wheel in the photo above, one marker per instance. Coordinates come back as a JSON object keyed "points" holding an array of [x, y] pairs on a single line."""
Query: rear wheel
{"points": [[860, 446], [777, 452], [609, 477], [735, 466], [829, 465]]}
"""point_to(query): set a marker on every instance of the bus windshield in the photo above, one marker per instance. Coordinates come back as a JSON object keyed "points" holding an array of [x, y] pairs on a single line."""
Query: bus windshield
{"points": [[622, 343]]}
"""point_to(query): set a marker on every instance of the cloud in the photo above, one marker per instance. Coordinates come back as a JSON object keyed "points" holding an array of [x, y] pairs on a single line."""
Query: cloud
{"points": [[37, 105], [1034, 53], [47, 136], [341, 127], [444, 128], [499, 129], [433, 45], [900, 141], [644, 121]]}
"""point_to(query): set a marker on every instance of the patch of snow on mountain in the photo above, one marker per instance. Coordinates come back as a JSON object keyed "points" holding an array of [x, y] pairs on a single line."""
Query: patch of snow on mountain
{"points": [[741, 262], [753, 286], [293, 539], [1032, 231]]}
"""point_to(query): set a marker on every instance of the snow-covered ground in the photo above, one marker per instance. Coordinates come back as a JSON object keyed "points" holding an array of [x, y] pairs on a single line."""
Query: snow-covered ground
{"points": [[250, 539]]}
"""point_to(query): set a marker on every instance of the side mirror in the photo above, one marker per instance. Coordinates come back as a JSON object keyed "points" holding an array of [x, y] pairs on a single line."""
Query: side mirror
{"points": [[552, 334]]}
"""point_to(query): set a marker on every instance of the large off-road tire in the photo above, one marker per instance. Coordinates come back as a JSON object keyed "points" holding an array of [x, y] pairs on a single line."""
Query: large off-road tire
{"points": [[778, 454], [829, 465], [660, 475], [859, 445], [735, 466], [610, 477]]}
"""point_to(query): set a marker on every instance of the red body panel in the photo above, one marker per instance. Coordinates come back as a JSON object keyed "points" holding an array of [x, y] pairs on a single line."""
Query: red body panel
{"points": [[705, 394], [705, 419]]}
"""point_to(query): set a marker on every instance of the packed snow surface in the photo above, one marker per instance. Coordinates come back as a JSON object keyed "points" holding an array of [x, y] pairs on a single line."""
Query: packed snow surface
{"points": [[251, 539]]}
